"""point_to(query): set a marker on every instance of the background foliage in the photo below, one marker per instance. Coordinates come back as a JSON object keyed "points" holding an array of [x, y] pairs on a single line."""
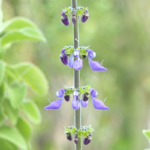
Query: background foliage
{"points": [[118, 31]]}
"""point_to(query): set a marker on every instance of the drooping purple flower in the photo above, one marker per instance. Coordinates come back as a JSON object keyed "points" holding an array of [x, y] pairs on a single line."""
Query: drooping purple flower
{"points": [[69, 136], [88, 139], [75, 102], [73, 18], [76, 139], [98, 104], [67, 98], [91, 54], [71, 60], [64, 57], [96, 66], [85, 16], [56, 104], [78, 63], [84, 103], [65, 19]]}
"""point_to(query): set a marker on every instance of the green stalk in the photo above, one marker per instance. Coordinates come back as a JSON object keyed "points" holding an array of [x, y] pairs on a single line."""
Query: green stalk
{"points": [[77, 113]]}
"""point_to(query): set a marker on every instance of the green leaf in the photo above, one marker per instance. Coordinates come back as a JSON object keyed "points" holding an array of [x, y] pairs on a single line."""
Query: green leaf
{"points": [[31, 111], [24, 128], [16, 94], [2, 71], [12, 135], [2, 92], [22, 34], [147, 134], [10, 112], [18, 23], [5, 145], [33, 76]]}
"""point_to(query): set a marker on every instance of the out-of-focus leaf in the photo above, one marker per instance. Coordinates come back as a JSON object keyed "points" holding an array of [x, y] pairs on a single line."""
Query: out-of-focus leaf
{"points": [[18, 23], [31, 111], [16, 94], [12, 135], [24, 128], [34, 77], [147, 134], [22, 34], [2, 90], [10, 112], [2, 71], [11, 73], [5, 145]]}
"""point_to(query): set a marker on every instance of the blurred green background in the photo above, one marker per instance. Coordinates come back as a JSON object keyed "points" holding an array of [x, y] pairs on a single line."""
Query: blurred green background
{"points": [[118, 31]]}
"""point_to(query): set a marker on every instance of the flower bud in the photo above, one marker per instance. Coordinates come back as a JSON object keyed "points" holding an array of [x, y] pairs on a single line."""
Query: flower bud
{"points": [[88, 139], [76, 139], [64, 19], [67, 97], [86, 97], [84, 56], [69, 136], [73, 18], [64, 59], [85, 16]]}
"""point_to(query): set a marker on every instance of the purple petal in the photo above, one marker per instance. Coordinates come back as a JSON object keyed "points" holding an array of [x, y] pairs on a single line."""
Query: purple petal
{"points": [[75, 104], [99, 104], [78, 64], [96, 66], [74, 20], [84, 17], [94, 93], [84, 103], [76, 53], [64, 59], [55, 104], [60, 93], [76, 139], [91, 54], [65, 21], [70, 62]]}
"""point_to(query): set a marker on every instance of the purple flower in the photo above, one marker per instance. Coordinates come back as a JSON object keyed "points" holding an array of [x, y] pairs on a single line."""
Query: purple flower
{"points": [[76, 139], [86, 97], [95, 66], [88, 139], [69, 136], [78, 63], [84, 103], [73, 18], [75, 102], [71, 60], [64, 57], [56, 104], [67, 98], [85, 16], [97, 103], [64, 19]]}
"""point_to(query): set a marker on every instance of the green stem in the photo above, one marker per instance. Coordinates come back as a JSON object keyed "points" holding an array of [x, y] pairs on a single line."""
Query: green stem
{"points": [[77, 113]]}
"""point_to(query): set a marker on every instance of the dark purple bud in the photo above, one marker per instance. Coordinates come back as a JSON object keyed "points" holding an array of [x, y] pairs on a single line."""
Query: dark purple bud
{"points": [[86, 97], [76, 139], [65, 21], [67, 97], [84, 56], [73, 18], [88, 139], [85, 16], [64, 59], [69, 137]]}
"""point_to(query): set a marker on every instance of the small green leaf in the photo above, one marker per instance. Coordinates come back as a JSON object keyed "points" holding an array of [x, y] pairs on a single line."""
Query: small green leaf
{"points": [[147, 134], [2, 71], [16, 94], [10, 112], [12, 135], [33, 76], [31, 111], [21, 34], [24, 128], [5, 145]]}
